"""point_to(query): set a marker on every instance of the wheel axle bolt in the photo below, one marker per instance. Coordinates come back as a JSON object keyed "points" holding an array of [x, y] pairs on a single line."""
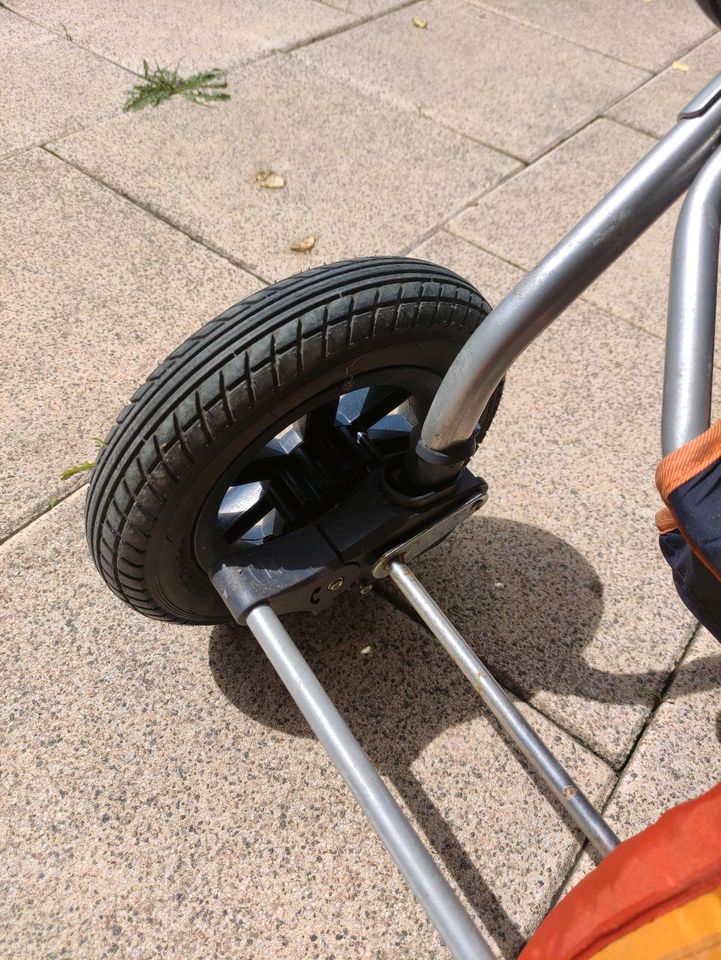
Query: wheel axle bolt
{"points": [[336, 584]]}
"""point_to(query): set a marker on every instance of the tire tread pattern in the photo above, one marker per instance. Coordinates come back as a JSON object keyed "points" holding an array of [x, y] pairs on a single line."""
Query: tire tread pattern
{"points": [[220, 373]]}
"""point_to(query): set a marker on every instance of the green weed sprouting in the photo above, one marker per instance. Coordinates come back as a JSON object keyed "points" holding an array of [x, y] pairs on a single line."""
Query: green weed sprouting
{"points": [[162, 83], [78, 468]]}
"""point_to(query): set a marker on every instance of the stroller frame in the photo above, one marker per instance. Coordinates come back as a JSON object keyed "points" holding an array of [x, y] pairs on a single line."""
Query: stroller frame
{"points": [[687, 157]]}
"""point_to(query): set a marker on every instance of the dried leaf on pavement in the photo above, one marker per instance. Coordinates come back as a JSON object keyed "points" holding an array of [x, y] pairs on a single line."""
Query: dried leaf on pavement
{"points": [[678, 65], [269, 180], [305, 245], [421, 24]]}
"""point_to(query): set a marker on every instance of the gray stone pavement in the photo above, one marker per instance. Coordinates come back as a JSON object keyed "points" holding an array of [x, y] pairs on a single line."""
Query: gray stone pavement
{"points": [[361, 175], [173, 33], [99, 291], [160, 794], [83, 86]]}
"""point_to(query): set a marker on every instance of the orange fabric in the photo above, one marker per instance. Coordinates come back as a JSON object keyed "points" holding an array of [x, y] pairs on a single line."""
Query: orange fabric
{"points": [[690, 932], [678, 467], [664, 867], [665, 520]]}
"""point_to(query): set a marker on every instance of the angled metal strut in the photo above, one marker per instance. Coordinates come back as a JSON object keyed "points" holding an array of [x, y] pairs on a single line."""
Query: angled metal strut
{"points": [[390, 823]]}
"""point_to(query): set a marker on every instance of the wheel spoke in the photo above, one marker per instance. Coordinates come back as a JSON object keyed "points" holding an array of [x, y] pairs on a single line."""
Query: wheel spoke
{"points": [[390, 434], [319, 421], [377, 403], [351, 404], [392, 425], [246, 521], [270, 457], [273, 524], [238, 500], [247, 511]]}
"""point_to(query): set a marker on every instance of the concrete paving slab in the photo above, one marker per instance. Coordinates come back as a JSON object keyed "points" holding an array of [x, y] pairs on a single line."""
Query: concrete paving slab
{"points": [[522, 220], [49, 86], [646, 34], [655, 106], [363, 177], [558, 582], [96, 292], [368, 8], [472, 70], [176, 33], [163, 795], [17, 32], [678, 756]]}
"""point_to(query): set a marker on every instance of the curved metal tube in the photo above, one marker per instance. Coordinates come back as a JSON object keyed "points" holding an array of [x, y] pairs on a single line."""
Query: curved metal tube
{"points": [[610, 228], [691, 324]]}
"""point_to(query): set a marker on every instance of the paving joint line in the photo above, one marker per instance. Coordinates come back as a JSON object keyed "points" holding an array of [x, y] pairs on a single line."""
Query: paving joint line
{"points": [[37, 514], [65, 35], [344, 28], [420, 109], [482, 5], [63, 135], [582, 297], [525, 165], [512, 688], [370, 16], [399, 103], [262, 55], [622, 770], [658, 703], [630, 126], [600, 113], [624, 123], [440, 225], [234, 261]]}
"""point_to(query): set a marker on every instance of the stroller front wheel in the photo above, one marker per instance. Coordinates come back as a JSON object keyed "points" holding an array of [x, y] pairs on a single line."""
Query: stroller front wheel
{"points": [[358, 346]]}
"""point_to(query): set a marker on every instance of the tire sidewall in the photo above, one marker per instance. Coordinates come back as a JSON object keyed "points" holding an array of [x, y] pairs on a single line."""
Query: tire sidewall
{"points": [[174, 577]]}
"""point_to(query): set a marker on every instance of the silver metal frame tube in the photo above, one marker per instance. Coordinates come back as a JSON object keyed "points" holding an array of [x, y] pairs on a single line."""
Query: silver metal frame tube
{"points": [[390, 823], [510, 718], [691, 324], [603, 235]]}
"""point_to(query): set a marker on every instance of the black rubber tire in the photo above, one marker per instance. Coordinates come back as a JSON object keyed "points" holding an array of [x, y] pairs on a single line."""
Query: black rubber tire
{"points": [[216, 393]]}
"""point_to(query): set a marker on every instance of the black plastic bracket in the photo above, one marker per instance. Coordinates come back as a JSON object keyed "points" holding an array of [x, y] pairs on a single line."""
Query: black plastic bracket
{"points": [[426, 469], [307, 570]]}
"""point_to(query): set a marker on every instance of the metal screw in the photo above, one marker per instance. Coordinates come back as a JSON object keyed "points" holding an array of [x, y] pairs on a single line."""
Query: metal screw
{"points": [[336, 584]]}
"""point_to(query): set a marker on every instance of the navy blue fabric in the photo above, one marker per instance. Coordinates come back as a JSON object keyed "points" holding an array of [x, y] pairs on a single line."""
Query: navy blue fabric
{"points": [[697, 586], [696, 505]]}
